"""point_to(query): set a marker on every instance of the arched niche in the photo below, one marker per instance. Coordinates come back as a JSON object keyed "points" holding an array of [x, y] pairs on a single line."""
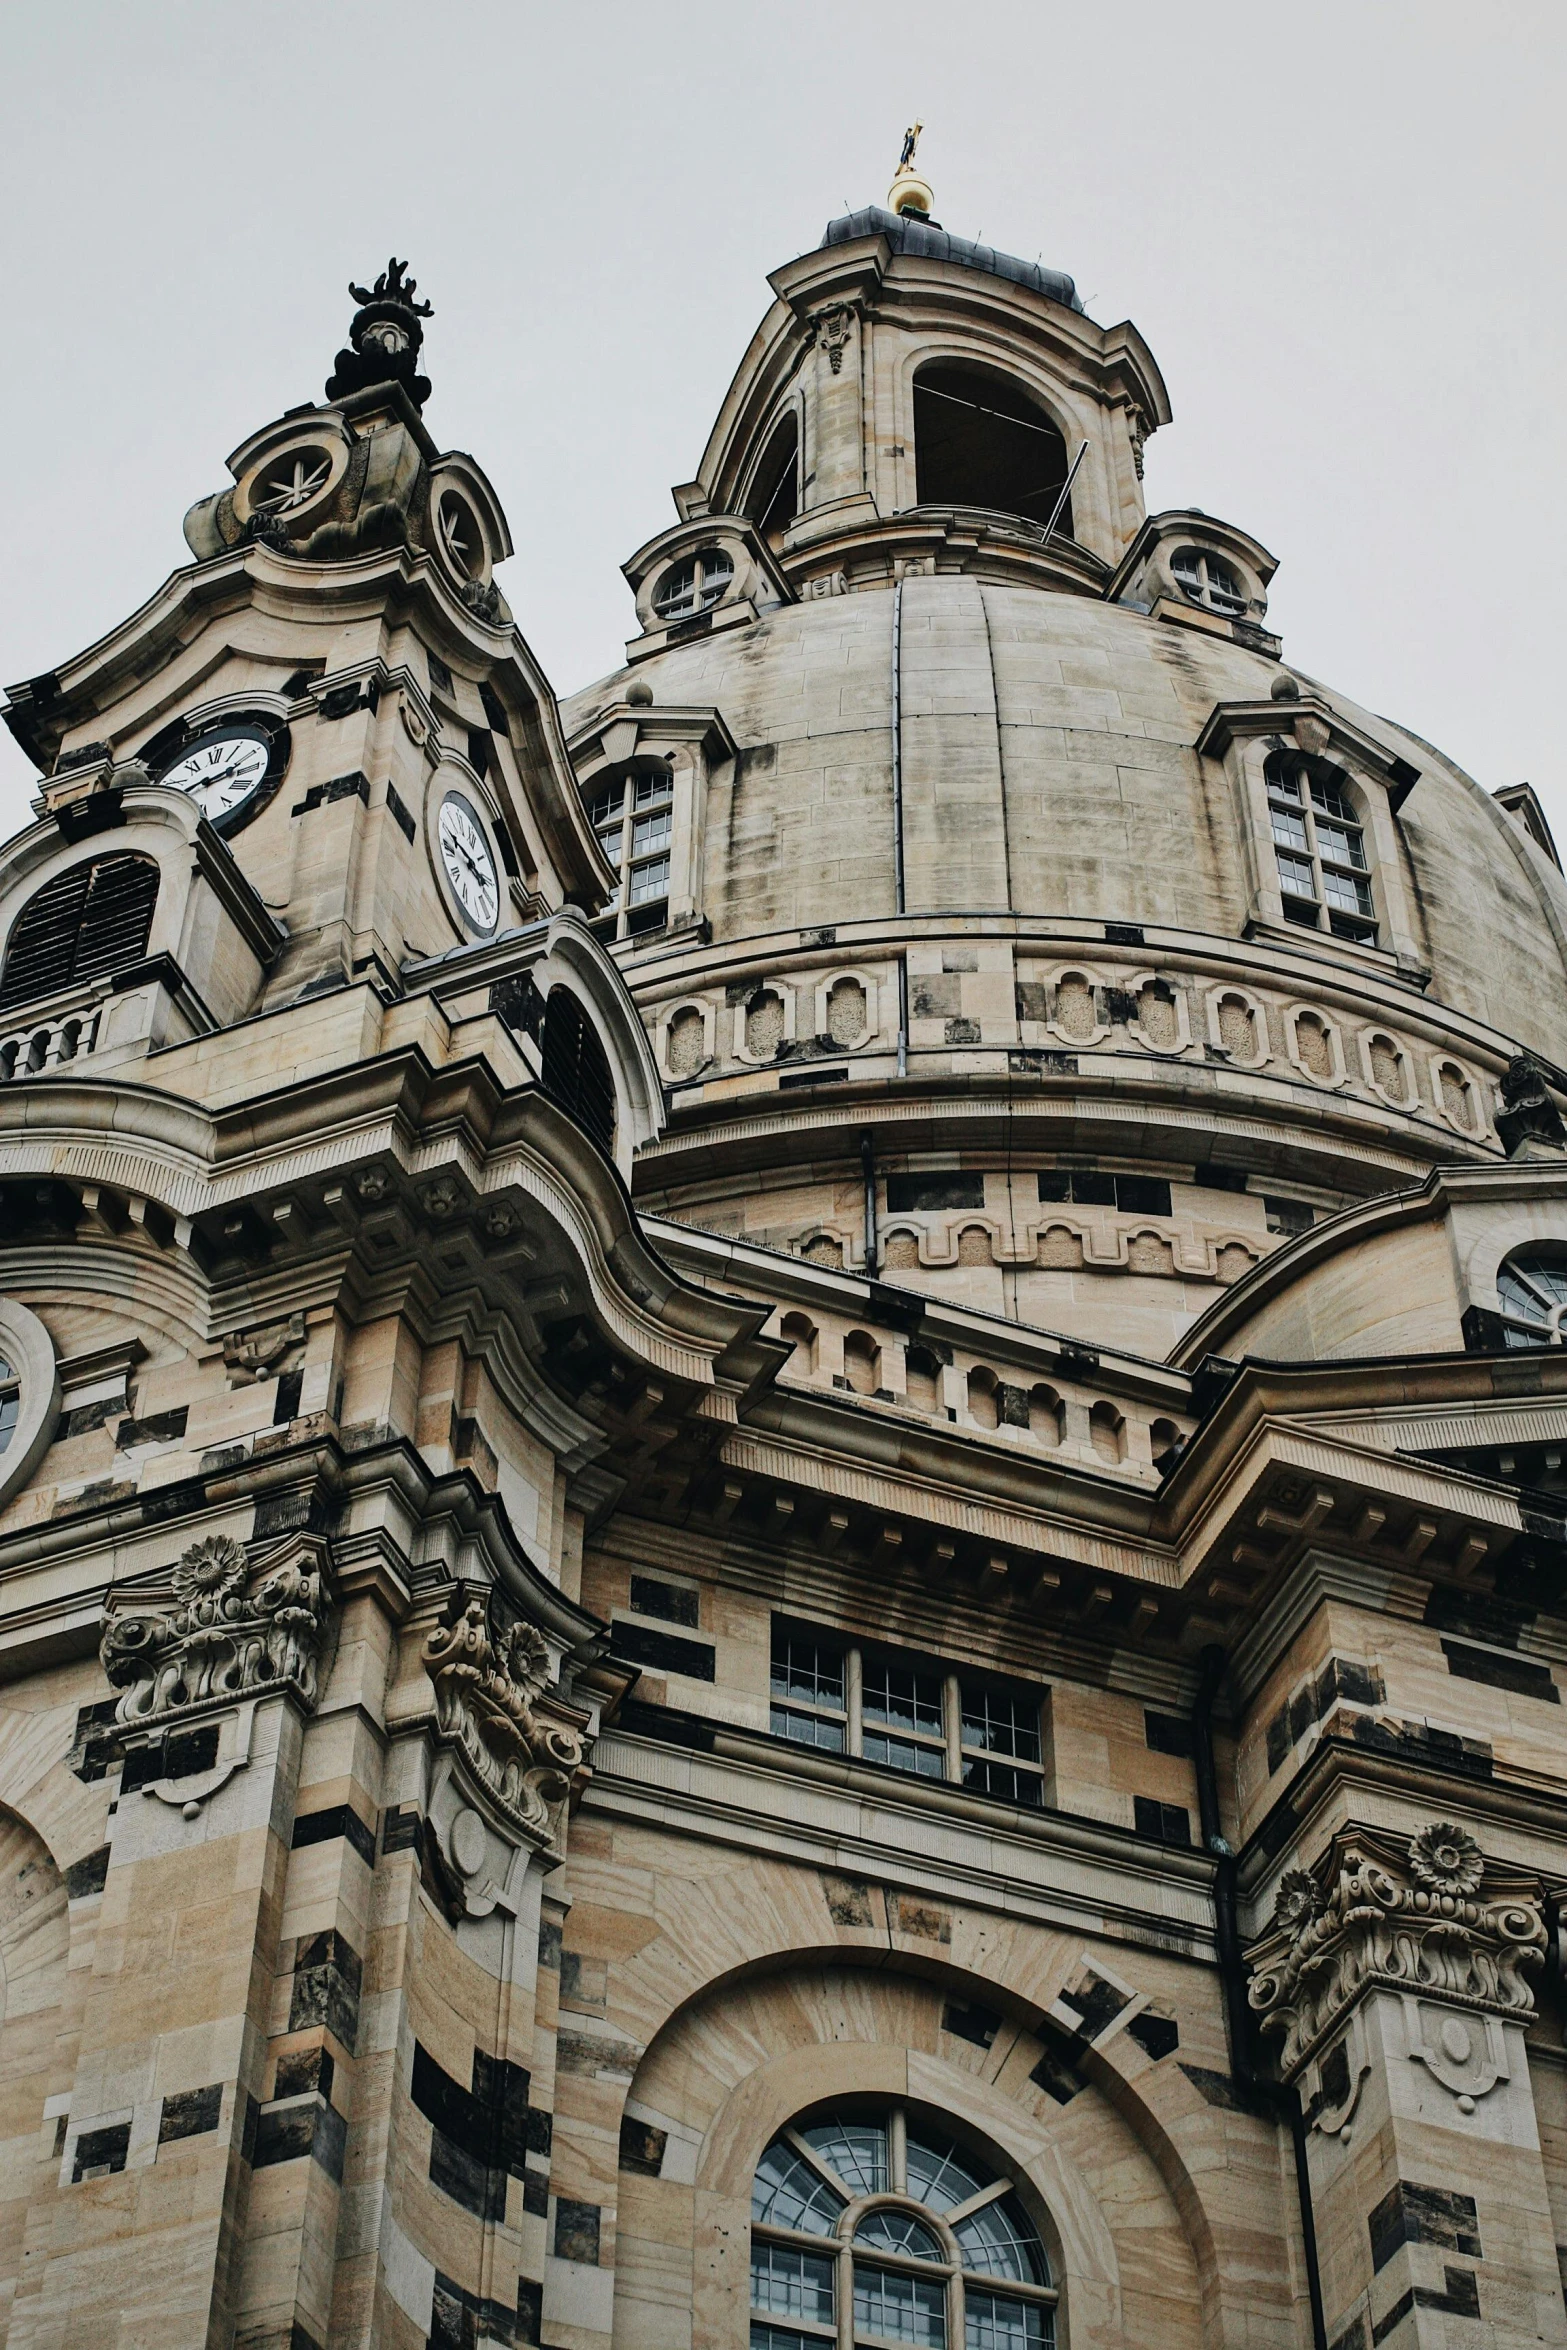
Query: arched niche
{"points": [[981, 439]]}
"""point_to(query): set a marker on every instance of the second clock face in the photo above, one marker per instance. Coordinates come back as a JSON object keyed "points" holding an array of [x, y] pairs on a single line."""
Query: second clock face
{"points": [[223, 770], [470, 868]]}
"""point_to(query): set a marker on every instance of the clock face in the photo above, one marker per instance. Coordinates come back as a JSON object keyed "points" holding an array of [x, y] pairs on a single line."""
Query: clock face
{"points": [[470, 868], [223, 770]]}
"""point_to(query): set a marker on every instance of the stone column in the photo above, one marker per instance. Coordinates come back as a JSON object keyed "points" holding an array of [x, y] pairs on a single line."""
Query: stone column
{"points": [[1394, 1980]]}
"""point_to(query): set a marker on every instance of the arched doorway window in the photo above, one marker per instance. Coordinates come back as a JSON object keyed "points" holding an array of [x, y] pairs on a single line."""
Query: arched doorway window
{"points": [[576, 1068], [1531, 1289], [775, 496], [91, 919], [980, 440], [870, 2225]]}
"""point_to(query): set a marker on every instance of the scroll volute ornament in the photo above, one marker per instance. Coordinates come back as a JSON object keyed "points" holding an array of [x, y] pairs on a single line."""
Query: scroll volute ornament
{"points": [[490, 1701], [224, 1633], [1431, 1916]]}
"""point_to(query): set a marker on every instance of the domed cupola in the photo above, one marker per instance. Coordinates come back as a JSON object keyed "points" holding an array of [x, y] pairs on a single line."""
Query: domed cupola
{"points": [[917, 402]]}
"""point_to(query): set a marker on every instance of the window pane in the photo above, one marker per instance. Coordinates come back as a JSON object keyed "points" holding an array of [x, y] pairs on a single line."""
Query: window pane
{"points": [[999, 2242], [807, 1668], [857, 2151], [1285, 786], [766, 2337], [1186, 564], [1000, 1722], [906, 1699], [677, 594], [904, 2309], [717, 572], [795, 2284], [902, 1754], [609, 842], [1296, 876], [651, 832], [787, 2193], [655, 784], [807, 1729], [1345, 891], [1289, 829], [940, 2176], [1224, 589], [994, 2324], [1005, 1781], [608, 804], [1342, 844], [1331, 801], [899, 2231], [650, 881]]}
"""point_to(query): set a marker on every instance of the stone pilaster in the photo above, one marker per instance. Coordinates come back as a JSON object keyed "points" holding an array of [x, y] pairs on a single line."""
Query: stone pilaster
{"points": [[1395, 1983]]}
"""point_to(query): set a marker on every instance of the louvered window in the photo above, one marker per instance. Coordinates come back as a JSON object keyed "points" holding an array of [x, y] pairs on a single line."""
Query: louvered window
{"points": [[576, 1067], [90, 920]]}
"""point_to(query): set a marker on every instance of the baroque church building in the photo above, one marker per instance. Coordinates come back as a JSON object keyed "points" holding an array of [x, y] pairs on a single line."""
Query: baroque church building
{"points": [[783, 1548]]}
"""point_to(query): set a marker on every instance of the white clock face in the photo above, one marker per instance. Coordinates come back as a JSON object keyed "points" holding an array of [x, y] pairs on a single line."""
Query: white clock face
{"points": [[222, 770], [470, 868]]}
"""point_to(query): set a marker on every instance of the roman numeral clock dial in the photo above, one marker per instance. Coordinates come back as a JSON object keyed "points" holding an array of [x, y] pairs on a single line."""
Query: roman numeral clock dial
{"points": [[223, 771], [468, 864]]}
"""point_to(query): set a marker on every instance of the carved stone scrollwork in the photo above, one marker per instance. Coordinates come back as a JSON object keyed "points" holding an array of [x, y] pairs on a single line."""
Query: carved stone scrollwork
{"points": [[490, 1701], [221, 1635], [1432, 1916]]}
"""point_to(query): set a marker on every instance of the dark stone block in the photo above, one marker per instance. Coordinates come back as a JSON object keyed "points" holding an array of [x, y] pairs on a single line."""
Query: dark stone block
{"points": [[100, 2151], [191, 2113], [530, 2311], [339, 1819], [1123, 934], [1502, 1672], [1219, 2089], [1097, 2002], [87, 1876], [665, 1652], [935, 998], [402, 1829], [158, 1428], [649, 1597], [285, 1404], [931, 1194], [1032, 999], [642, 2147], [550, 1933], [577, 2231], [541, 2131], [303, 2070], [1411, 2214], [972, 2022], [85, 1418], [397, 809], [327, 1977], [1157, 2035], [468, 2182], [962, 1032], [1056, 2075], [535, 2194], [175, 1501], [182, 1754], [1167, 1734]]}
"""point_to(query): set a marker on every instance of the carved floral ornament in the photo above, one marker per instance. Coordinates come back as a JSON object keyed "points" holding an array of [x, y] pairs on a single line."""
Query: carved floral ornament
{"points": [[490, 1692], [223, 1634], [1431, 1916]]}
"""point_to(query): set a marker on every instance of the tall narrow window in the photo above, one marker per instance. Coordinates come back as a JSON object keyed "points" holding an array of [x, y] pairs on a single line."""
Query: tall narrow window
{"points": [[634, 818], [775, 498], [576, 1067], [1320, 846], [871, 2225], [90, 920], [980, 440]]}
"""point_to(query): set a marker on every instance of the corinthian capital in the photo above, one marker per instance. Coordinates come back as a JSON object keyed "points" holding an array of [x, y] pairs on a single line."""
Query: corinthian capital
{"points": [[223, 1629], [1431, 1916]]}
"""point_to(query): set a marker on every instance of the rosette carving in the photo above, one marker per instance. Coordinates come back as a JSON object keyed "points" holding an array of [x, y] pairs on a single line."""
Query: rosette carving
{"points": [[490, 1700], [1431, 1916], [222, 1634]]}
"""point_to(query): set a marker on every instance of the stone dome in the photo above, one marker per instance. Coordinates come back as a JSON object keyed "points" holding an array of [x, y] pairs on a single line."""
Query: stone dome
{"points": [[995, 822]]}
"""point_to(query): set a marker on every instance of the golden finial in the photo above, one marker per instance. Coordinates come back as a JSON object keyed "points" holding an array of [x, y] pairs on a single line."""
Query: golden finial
{"points": [[910, 192]]}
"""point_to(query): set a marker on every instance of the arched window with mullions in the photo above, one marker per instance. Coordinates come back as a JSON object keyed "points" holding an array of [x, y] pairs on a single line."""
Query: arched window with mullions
{"points": [[871, 2225], [1531, 1289]]}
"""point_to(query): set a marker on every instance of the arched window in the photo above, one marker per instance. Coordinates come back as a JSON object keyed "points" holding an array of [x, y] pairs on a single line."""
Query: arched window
{"points": [[979, 440], [634, 817], [576, 1068], [694, 585], [871, 2225], [1531, 1289], [775, 493], [1208, 581], [91, 919], [1320, 844]]}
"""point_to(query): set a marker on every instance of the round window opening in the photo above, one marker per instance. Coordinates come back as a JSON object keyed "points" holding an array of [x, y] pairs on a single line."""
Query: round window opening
{"points": [[462, 541], [291, 480], [10, 1402], [1531, 1289], [694, 586], [869, 2225], [1205, 580]]}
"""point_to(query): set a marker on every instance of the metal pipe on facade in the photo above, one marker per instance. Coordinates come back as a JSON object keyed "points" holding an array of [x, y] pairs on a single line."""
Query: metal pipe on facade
{"points": [[1284, 2101], [897, 822], [868, 1168]]}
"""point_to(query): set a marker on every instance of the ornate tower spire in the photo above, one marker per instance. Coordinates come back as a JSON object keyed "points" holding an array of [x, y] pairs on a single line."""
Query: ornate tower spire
{"points": [[384, 339]]}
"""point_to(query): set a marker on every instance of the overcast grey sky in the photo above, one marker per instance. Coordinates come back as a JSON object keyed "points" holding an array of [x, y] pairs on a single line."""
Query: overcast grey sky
{"points": [[1338, 226]]}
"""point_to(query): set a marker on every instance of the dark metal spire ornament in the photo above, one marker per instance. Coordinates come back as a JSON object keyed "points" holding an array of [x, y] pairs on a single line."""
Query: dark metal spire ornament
{"points": [[384, 339]]}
